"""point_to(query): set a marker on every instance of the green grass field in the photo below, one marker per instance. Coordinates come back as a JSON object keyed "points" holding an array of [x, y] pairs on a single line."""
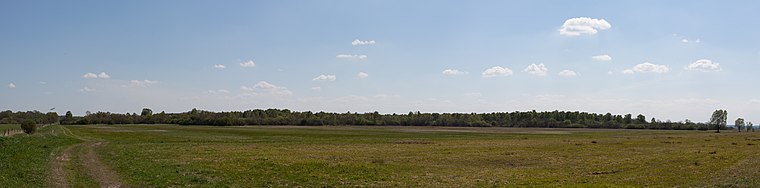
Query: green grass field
{"points": [[171, 156]]}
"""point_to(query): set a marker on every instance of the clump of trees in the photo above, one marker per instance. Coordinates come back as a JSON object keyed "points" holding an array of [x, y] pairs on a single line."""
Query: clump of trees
{"points": [[29, 126], [9, 117]]}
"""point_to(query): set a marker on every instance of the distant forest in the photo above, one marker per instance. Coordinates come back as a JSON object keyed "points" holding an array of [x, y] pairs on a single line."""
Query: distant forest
{"points": [[547, 119]]}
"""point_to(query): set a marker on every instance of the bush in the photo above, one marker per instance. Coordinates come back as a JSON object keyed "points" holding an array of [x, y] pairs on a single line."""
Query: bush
{"points": [[29, 126]]}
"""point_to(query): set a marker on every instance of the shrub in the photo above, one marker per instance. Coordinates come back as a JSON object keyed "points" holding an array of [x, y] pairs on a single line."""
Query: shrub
{"points": [[29, 126]]}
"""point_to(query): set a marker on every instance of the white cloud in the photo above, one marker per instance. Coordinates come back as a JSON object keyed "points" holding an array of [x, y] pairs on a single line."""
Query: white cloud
{"points": [[567, 73], [218, 91], [704, 65], [248, 63], [685, 40], [453, 72], [583, 25], [102, 75], [316, 88], [604, 57], [647, 68], [535, 69], [473, 94], [86, 89], [90, 75], [246, 88], [351, 56], [11, 85], [496, 72], [268, 88], [362, 75], [325, 78], [219, 66], [358, 42], [610, 72], [141, 83]]}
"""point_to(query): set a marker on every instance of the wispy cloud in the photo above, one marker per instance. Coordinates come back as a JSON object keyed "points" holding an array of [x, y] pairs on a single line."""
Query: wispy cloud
{"points": [[220, 66], [11, 85], [351, 56], [248, 63], [453, 72], [604, 57], [362, 75], [267, 88], [86, 89], [358, 42], [567, 73], [323, 77], [102, 75], [141, 83]]}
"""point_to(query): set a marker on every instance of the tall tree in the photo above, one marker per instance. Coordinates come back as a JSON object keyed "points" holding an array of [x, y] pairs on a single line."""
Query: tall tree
{"points": [[750, 127], [718, 119], [146, 112], [739, 123]]}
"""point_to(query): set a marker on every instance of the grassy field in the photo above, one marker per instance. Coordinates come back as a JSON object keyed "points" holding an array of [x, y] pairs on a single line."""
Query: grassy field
{"points": [[172, 156]]}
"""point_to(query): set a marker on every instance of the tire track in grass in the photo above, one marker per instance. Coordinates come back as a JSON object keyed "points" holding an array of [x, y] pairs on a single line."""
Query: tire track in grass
{"points": [[95, 169]]}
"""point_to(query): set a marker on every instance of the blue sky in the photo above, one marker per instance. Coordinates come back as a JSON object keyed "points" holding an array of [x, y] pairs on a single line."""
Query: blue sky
{"points": [[670, 60]]}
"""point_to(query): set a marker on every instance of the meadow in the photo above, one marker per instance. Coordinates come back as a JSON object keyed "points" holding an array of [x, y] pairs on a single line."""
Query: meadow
{"points": [[349, 156]]}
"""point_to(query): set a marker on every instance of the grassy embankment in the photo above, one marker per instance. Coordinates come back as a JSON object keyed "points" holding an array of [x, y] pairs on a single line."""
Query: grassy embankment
{"points": [[25, 159], [170, 155]]}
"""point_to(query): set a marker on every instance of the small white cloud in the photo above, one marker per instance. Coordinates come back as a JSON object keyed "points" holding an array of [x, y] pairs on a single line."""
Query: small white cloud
{"points": [[246, 88], [453, 72], [536, 69], [647, 68], [567, 73], [704, 65], [42, 82], [351, 57], [11, 85], [325, 78], [220, 66], [141, 83], [102, 75], [362, 75], [218, 91], [268, 88], [90, 75], [86, 89], [583, 25], [604, 57], [697, 41], [358, 42], [496, 71], [316, 88], [610, 72], [248, 63], [473, 94]]}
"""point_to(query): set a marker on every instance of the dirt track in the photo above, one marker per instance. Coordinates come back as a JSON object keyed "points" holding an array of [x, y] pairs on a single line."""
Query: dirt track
{"points": [[95, 169]]}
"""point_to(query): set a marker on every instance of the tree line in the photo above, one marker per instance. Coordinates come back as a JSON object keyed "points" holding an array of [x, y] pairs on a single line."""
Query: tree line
{"points": [[545, 119]]}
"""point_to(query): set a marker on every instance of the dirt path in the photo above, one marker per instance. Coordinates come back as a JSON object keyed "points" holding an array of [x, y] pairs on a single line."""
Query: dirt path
{"points": [[97, 170]]}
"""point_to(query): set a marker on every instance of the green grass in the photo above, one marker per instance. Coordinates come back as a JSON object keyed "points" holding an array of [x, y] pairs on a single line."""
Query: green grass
{"points": [[25, 160], [170, 155]]}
